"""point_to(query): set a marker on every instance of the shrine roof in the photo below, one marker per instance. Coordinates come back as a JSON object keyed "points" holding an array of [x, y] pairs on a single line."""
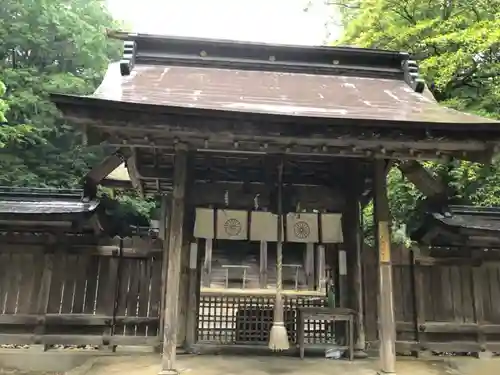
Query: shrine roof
{"points": [[217, 78], [459, 224]]}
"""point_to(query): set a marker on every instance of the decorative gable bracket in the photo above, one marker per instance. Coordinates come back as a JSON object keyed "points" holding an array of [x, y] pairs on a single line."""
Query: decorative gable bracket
{"points": [[128, 60], [412, 76]]}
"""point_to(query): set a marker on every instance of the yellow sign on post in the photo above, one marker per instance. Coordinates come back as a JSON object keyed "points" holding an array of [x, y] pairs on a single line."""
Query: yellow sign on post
{"points": [[384, 245]]}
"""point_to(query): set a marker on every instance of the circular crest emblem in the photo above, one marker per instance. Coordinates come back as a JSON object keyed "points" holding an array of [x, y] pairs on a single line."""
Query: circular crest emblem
{"points": [[232, 227], [301, 230]]}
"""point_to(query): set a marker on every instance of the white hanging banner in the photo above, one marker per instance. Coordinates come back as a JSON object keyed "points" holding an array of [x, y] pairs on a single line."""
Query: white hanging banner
{"points": [[302, 227], [204, 223], [263, 226], [331, 228], [232, 225]]}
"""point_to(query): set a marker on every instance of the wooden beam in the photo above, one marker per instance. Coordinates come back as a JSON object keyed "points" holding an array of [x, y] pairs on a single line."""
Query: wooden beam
{"points": [[260, 139], [168, 363], [386, 319], [133, 172], [108, 165]]}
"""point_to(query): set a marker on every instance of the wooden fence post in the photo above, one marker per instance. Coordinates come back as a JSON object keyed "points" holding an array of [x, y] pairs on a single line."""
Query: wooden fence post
{"points": [[419, 305], [477, 295], [44, 294], [109, 299]]}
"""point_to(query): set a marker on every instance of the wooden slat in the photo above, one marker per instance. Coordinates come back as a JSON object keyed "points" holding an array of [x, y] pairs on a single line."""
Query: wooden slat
{"points": [[70, 272], [15, 275], [26, 284], [92, 277], [80, 284], [57, 282], [133, 293], [4, 279], [155, 299], [144, 296]]}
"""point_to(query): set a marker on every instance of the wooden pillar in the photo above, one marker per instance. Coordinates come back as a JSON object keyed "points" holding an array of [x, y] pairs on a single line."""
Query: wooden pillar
{"points": [[183, 307], [263, 265], [192, 312], [207, 264], [386, 320], [164, 235], [341, 296], [175, 229], [353, 237]]}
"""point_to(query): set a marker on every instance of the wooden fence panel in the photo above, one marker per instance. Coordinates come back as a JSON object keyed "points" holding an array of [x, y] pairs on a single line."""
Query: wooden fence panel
{"points": [[79, 297], [444, 304]]}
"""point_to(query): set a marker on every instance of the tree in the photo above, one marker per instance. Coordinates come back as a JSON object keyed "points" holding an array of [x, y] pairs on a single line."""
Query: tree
{"points": [[456, 43], [9, 134], [49, 46]]}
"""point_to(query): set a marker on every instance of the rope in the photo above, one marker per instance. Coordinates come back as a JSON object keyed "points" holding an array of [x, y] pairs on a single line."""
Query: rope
{"points": [[279, 245]]}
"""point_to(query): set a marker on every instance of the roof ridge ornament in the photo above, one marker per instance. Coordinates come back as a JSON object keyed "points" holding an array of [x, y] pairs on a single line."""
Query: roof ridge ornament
{"points": [[128, 59], [412, 76]]}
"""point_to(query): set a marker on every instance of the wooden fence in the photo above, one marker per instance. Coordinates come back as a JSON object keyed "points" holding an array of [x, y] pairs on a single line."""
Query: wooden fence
{"points": [[104, 297], [448, 302]]}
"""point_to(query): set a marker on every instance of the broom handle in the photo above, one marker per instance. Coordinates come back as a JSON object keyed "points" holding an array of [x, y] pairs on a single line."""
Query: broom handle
{"points": [[279, 248]]}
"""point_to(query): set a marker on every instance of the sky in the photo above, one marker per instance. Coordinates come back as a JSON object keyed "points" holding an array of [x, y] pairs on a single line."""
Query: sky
{"points": [[268, 21]]}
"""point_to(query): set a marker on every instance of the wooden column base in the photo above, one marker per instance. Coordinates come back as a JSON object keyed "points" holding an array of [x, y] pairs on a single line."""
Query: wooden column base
{"points": [[168, 372]]}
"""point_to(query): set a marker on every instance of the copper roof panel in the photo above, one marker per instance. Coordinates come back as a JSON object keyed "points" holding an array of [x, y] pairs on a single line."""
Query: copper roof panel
{"points": [[296, 94]]}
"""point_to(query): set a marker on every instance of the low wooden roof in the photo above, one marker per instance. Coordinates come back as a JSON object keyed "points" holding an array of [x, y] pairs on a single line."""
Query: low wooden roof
{"points": [[47, 209], [44, 202], [460, 226]]}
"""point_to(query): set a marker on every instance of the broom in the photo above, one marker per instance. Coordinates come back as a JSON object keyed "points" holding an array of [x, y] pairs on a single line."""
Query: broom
{"points": [[278, 337]]}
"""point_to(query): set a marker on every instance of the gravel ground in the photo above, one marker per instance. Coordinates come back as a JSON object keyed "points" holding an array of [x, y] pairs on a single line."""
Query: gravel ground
{"points": [[4, 371]]}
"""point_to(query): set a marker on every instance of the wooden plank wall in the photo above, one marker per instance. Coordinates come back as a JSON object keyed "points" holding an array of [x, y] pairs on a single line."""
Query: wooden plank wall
{"points": [[80, 296], [448, 302]]}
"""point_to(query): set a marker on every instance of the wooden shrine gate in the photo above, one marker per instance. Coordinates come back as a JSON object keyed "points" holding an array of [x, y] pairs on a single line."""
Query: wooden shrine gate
{"points": [[101, 296]]}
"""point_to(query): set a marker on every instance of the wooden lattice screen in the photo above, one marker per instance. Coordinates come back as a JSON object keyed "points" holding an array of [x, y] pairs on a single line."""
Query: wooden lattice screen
{"points": [[247, 319]]}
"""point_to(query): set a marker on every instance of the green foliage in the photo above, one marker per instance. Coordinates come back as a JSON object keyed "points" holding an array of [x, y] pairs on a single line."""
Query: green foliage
{"points": [[50, 46], [457, 45]]}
